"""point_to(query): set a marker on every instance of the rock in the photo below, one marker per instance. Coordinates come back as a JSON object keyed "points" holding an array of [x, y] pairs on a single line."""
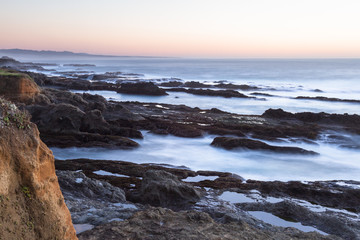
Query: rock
{"points": [[80, 186], [57, 118], [208, 92], [161, 224], [16, 86], [93, 201], [184, 131], [351, 122], [142, 88], [160, 188], [83, 139], [171, 84], [193, 84], [261, 94], [277, 113], [65, 125], [32, 205], [320, 98], [232, 142], [132, 170], [94, 122], [329, 222], [243, 87]]}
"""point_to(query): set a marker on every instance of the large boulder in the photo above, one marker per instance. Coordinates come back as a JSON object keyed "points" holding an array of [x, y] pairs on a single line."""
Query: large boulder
{"points": [[160, 188], [57, 117]]}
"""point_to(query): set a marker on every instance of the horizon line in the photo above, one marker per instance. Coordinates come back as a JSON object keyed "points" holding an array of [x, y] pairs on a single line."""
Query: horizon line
{"points": [[152, 56]]}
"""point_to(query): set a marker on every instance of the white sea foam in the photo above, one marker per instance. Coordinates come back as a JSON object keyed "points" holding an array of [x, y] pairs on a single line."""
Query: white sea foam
{"points": [[333, 163]]}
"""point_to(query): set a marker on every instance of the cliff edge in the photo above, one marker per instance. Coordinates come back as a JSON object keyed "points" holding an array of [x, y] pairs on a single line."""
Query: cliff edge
{"points": [[17, 86], [31, 203]]}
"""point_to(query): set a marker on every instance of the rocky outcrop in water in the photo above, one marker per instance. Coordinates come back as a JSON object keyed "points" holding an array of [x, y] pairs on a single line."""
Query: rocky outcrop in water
{"points": [[320, 98], [234, 143], [32, 205], [142, 88], [209, 92], [345, 121]]}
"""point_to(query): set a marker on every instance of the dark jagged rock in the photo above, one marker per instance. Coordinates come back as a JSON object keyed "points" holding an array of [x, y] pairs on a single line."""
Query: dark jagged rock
{"points": [[83, 139], [243, 87], [142, 88], [319, 98], [277, 113], [130, 169], [171, 84], [161, 224], [80, 186], [208, 92], [184, 131], [193, 84], [261, 94], [160, 188], [93, 201], [66, 119], [325, 221], [221, 85], [345, 120], [231, 143]]}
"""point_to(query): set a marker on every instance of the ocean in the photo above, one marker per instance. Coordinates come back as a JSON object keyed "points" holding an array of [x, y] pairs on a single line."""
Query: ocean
{"points": [[284, 79]]}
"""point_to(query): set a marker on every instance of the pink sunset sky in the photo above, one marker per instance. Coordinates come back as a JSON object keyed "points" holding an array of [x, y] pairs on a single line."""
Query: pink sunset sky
{"points": [[197, 28]]}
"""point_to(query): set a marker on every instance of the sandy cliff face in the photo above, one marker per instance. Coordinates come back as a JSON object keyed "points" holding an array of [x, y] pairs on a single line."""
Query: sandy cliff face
{"points": [[16, 86], [31, 203]]}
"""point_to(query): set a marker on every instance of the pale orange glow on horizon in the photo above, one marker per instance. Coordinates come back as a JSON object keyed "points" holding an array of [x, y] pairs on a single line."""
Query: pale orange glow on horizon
{"points": [[213, 28]]}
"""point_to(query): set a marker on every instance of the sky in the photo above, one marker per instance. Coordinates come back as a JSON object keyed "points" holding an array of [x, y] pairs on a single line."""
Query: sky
{"points": [[186, 28]]}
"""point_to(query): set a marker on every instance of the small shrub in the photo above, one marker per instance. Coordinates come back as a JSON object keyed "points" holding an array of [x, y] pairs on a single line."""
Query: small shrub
{"points": [[27, 192], [11, 114]]}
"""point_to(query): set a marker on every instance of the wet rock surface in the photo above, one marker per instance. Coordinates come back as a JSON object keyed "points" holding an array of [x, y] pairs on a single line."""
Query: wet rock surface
{"points": [[143, 88], [319, 98], [208, 92], [92, 201], [221, 85], [242, 143], [160, 188], [322, 204], [160, 223], [346, 121]]}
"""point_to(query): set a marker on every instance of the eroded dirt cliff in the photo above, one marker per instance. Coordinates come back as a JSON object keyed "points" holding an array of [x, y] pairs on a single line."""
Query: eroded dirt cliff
{"points": [[31, 203]]}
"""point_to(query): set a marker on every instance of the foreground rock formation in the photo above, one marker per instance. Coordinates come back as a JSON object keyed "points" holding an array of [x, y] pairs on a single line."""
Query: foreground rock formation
{"points": [[160, 223], [31, 203]]}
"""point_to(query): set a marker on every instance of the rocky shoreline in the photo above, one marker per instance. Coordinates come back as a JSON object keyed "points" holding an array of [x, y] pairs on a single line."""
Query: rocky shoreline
{"points": [[124, 199]]}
